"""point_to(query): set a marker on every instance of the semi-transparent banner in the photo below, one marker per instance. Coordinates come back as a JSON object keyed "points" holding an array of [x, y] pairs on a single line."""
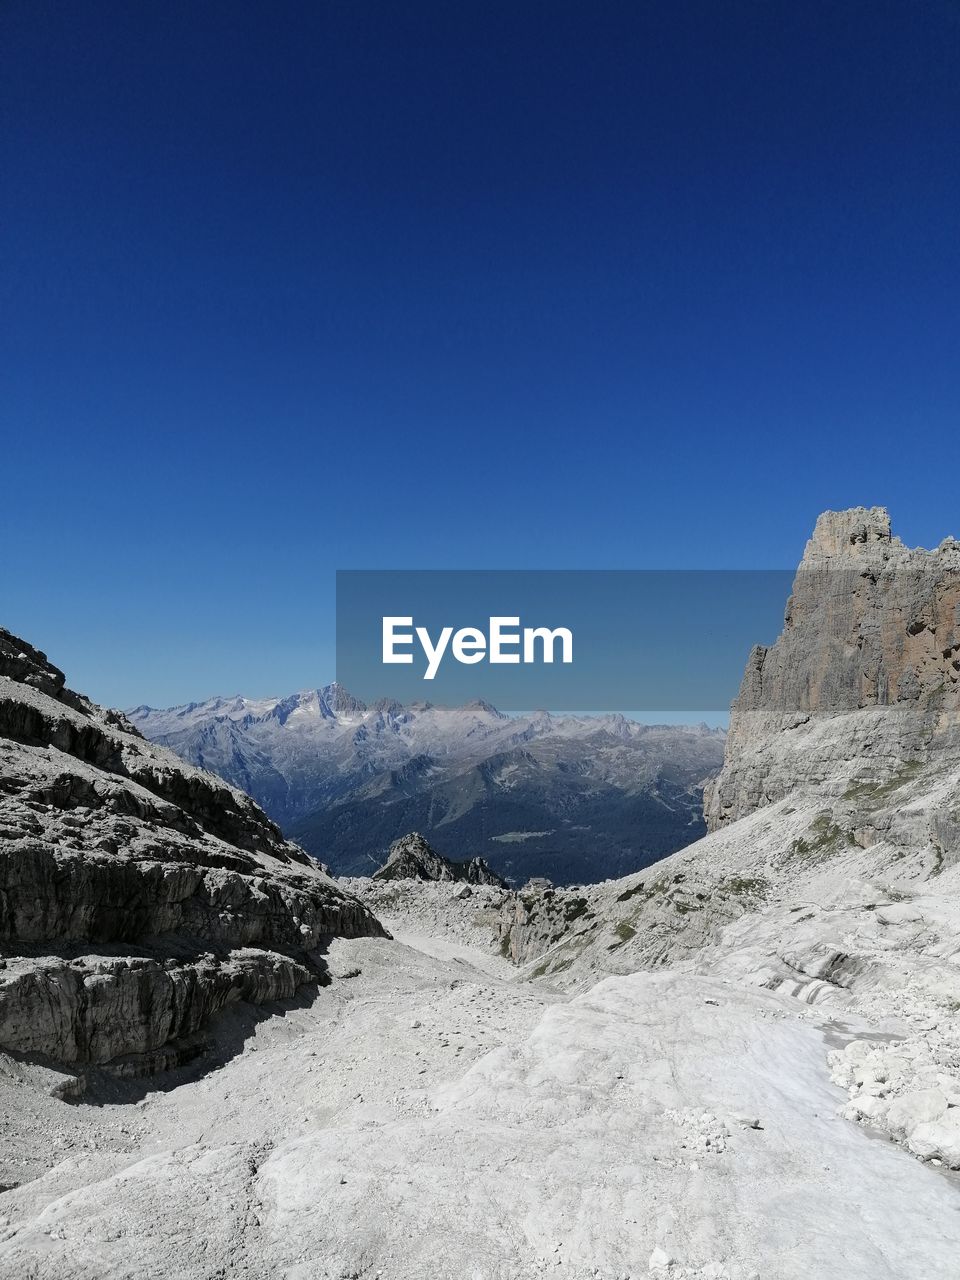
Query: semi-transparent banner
{"points": [[571, 640]]}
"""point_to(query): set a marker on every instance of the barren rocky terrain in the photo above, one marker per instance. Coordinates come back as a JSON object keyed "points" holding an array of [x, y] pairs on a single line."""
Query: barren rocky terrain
{"points": [[137, 895], [741, 1062]]}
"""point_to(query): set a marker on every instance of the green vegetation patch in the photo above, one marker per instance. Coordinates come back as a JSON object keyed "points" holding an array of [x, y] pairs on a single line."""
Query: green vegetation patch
{"points": [[878, 791], [630, 893], [745, 886], [576, 908], [826, 837], [624, 931]]}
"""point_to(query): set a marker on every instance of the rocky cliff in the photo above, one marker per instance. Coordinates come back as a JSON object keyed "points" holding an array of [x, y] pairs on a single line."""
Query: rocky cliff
{"points": [[138, 895], [833, 861], [832, 873], [864, 680]]}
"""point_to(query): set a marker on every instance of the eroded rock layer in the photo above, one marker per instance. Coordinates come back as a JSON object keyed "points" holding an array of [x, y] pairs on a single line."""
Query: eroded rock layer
{"points": [[137, 895]]}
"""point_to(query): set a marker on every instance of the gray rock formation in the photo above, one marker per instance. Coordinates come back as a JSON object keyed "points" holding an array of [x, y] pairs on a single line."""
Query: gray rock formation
{"points": [[871, 627], [838, 805], [412, 858], [138, 895]]}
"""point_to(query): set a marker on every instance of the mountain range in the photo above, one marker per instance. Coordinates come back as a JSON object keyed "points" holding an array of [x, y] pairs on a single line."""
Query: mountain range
{"points": [[572, 798]]}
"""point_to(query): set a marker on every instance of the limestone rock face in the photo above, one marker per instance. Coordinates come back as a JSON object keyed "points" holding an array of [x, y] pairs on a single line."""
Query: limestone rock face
{"points": [[835, 820], [101, 1008], [864, 677], [412, 858], [137, 894]]}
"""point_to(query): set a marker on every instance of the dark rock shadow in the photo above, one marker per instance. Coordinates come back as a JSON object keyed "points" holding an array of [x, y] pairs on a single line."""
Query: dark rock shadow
{"points": [[224, 1037], [128, 1078]]}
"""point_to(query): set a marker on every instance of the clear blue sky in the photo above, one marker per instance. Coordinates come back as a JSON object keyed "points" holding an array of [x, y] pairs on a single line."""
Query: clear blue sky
{"points": [[289, 287]]}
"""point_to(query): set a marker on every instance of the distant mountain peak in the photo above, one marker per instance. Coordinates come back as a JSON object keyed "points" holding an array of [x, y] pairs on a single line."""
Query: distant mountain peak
{"points": [[340, 701], [413, 858], [481, 704]]}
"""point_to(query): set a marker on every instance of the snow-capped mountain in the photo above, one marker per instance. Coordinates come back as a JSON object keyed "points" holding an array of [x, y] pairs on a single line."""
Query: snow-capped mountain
{"points": [[569, 797]]}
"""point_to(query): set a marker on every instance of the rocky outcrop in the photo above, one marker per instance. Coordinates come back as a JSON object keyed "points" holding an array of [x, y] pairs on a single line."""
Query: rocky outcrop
{"points": [[412, 858], [838, 806], [869, 622], [138, 895], [863, 680], [100, 1008]]}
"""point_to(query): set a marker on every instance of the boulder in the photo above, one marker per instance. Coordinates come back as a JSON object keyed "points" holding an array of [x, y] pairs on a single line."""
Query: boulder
{"points": [[918, 1107], [938, 1139]]}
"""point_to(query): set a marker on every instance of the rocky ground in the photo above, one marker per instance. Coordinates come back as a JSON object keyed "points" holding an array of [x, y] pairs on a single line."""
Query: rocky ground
{"points": [[429, 1115], [476, 916]]}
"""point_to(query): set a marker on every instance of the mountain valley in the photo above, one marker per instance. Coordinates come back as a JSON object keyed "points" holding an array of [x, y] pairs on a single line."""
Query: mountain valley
{"points": [[571, 798], [739, 1063]]}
